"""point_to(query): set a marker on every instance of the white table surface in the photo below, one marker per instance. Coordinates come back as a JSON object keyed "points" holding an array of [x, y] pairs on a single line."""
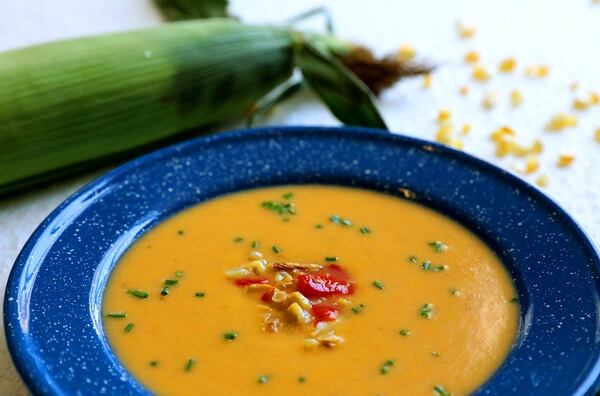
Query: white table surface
{"points": [[564, 35]]}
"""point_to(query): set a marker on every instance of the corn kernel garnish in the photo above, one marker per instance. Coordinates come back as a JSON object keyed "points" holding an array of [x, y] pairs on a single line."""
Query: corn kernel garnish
{"points": [[466, 129], [565, 160], [561, 121], [516, 98], [472, 57], [594, 98], [445, 135], [542, 181], [443, 115], [532, 164], [537, 71], [597, 135], [464, 90], [480, 73], [580, 104], [502, 133], [504, 139], [464, 31], [427, 80], [406, 52], [508, 65], [489, 101], [300, 314]]}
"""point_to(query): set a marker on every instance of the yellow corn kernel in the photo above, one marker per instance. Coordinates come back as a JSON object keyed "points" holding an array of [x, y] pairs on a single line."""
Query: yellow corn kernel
{"points": [[282, 278], [480, 73], [537, 71], [427, 80], [466, 129], [464, 31], [311, 343], [508, 65], [536, 147], [542, 181], [597, 135], [532, 164], [344, 301], [302, 316], [516, 98], [279, 296], [561, 121], [472, 57], [257, 266], [501, 133], [255, 255], [594, 98], [565, 160], [406, 52], [444, 115], [300, 299], [580, 104], [464, 90], [236, 273], [489, 101]]}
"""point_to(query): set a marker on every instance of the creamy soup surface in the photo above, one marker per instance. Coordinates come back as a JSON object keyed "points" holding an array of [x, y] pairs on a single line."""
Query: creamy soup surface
{"points": [[301, 290]]}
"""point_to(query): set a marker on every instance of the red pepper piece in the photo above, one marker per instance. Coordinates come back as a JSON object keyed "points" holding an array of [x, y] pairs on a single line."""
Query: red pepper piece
{"points": [[251, 281], [324, 313], [268, 295], [322, 286]]}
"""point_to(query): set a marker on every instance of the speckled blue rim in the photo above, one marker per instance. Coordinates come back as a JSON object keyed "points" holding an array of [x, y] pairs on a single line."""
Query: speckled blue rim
{"points": [[52, 303]]}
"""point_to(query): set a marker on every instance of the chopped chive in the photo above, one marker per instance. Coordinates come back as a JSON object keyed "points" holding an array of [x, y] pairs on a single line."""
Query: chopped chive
{"points": [[515, 299], [255, 244], [276, 249], [230, 336], [346, 222], [378, 285], [138, 293], [263, 379], [282, 209], [319, 226], [386, 366], [285, 219], [179, 274], [413, 259], [238, 239], [427, 266], [440, 391], [302, 379], [438, 246], [164, 291], [129, 327], [171, 282], [116, 315], [427, 311], [180, 232], [358, 309], [336, 219], [404, 332], [332, 258], [200, 294], [364, 230], [189, 364], [154, 363], [288, 196], [455, 292]]}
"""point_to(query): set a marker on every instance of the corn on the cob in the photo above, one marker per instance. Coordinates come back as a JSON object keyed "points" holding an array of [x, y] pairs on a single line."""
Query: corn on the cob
{"points": [[68, 104]]}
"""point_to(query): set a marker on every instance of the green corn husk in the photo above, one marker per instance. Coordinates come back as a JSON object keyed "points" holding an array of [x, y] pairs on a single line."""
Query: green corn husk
{"points": [[65, 106]]}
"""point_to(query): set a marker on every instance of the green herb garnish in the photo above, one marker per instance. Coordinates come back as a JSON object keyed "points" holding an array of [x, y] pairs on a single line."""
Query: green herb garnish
{"points": [[276, 249], [378, 285], [238, 239], [455, 292], [302, 379], [435, 354], [129, 327], [288, 196], [230, 336], [336, 219], [427, 266], [255, 245], [440, 391], [117, 315], [404, 332], [282, 209], [171, 282], [180, 232], [189, 364], [138, 293], [358, 309], [154, 363], [515, 299], [332, 258], [263, 379], [427, 311], [413, 259], [319, 226], [200, 294], [164, 291], [438, 246], [386, 366], [364, 230], [179, 274]]}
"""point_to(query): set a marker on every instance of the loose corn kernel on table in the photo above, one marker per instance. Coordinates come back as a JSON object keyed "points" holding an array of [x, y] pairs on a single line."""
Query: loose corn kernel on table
{"points": [[498, 69]]}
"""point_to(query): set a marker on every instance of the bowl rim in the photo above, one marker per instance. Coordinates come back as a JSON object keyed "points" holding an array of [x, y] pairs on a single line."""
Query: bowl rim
{"points": [[10, 313]]}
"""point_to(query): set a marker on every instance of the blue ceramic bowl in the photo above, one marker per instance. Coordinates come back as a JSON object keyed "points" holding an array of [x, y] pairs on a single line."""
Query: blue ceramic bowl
{"points": [[53, 298]]}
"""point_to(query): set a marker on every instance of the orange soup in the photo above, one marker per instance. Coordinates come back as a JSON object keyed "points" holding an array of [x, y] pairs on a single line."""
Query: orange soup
{"points": [[311, 289]]}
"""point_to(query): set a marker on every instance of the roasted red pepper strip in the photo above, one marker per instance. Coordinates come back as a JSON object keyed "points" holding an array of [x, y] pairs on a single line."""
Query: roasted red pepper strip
{"points": [[268, 295], [251, 281], [324, 313], [322, 286]]}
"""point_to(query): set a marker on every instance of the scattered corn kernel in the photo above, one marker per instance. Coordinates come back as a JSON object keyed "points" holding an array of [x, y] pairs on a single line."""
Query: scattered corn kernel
{"points": [[504, 138], [516, 98], [537, 71], [480, 73], [255, 255], [489, 101], [464, 90], [258, 266], [472, 57], [464, 31], [444, 135], [427, 80], [536, 147], [561, 121], [300, 299], [236, 273], [532, 164], [300, 314], [580, 104], [597, 135], [466, 129], [406, 52], [508, 65], [565, 160], [444, 115], [279, 296], [283, 278], [594, 98], [311, 343], [542, 181], [502, 133]]}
